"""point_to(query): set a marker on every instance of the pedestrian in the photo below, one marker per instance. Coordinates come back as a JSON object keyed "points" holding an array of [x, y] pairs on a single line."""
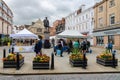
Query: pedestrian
{"points": [[38, 46], [88, 45], [53, 42], [76, 45], [83, 46], [110, 46], [70, 46], [59, 49], [31, 41]]}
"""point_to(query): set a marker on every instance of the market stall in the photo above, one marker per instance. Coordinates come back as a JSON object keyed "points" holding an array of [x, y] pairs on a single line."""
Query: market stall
{"points": [[71, 34], [23, 41]]}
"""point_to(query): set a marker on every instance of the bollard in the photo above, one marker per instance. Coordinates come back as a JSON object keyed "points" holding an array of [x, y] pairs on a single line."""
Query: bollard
{"points": [[4, 53], [17, 64], [12, 49], [84, 61], [113, 60], [52, 61]]}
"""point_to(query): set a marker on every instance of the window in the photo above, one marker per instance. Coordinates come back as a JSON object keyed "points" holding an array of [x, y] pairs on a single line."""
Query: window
{"points": [[100, 21], [7, 29], [83, 17], [1, 13], [79, 19], [5, 8], [111, 38], [112, 19], [100, 8], [39, 30], [91, 13], [86, 16], [100, 40], [112, 3], [0, 4]]}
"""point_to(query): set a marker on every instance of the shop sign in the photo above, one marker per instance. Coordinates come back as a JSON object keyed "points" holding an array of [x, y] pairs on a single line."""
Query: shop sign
{"points": [[108, 32]]}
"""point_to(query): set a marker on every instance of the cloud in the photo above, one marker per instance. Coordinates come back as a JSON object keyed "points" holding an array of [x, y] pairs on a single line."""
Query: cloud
{"points": [[27, 11]]}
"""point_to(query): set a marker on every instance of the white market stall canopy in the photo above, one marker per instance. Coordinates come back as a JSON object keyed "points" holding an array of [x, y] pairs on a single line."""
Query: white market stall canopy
{"points": [[71, 34], [52, 37], [24, 34]]}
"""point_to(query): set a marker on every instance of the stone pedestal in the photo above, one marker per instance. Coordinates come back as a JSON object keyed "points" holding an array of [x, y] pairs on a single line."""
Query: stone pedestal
{"points": [[46, 34]]}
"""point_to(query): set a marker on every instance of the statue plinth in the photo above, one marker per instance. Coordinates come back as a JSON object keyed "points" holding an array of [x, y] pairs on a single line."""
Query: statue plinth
{"points": [[46, 34]]}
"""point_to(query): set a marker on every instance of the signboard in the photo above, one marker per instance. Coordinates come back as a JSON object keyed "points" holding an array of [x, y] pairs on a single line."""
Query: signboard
{"points": [[108, 32], [23, 49]]}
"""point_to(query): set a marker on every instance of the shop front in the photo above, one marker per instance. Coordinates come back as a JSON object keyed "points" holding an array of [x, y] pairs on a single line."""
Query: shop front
{"points": [[103, 37]]}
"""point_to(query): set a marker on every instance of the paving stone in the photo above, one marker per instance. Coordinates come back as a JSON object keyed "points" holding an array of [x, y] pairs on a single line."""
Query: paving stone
{"points": [[115, 76], [61, 64]]}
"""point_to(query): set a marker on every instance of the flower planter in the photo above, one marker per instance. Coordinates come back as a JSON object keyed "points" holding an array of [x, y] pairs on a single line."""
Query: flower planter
{"points": [[12, 64], [40, 65], [78, 63], [106, 62]]}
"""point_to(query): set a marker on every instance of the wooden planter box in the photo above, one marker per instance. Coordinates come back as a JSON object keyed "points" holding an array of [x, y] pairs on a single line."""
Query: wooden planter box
{"points": [[12, 64], [78, 63], [106, 62], [40, 65]]}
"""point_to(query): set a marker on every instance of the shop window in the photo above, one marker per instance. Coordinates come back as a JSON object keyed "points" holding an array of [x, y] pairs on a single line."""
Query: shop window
{"points": [[100, 40], [111, 38]]}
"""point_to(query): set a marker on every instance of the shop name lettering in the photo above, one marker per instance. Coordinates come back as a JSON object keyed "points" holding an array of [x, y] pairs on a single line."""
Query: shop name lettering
{"points": [[112, 32]]}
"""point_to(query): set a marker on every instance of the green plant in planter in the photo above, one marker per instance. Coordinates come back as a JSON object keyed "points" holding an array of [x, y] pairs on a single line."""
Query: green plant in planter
{"points": [[106, 55], [5, 40], [75, 51]]}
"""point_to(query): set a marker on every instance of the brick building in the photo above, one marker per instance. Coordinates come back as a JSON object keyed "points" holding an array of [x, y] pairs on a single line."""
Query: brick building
{"points": [[107, 23]]}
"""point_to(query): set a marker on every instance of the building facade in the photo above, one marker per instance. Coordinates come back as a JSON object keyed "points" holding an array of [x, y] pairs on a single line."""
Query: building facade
{"points": [[15, 29], [60, 26], [36, 27], [6, 19], [54, 27], [52, 31], [82, 21], [107, 23]]}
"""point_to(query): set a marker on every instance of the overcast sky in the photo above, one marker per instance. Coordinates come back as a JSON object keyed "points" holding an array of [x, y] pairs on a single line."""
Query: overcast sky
{"points": [[27, 11]]}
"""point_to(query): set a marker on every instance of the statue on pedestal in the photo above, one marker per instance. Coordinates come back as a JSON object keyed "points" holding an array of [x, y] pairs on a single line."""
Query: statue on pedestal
{"points": [[46, 24]]}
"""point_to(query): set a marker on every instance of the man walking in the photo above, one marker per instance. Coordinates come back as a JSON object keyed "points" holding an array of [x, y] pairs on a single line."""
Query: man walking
{"points": [[39, 46]]}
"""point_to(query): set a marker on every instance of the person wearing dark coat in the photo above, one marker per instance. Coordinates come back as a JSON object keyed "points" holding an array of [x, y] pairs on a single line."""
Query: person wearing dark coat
{"points": [[110, 46], [60, 48], [38, 46], [70, 46], [84, 46], [88, 45], [53, 42]]}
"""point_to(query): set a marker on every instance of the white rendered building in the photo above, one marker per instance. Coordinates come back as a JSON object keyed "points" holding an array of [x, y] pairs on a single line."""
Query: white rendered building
{"points": [[81, 20]]}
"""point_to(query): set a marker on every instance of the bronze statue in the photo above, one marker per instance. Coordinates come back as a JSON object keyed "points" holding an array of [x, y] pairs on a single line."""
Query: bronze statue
{"points": [[46, 24]]}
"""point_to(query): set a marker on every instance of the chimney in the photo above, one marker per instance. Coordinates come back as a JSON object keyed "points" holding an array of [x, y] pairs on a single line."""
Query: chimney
{"points": [[33, 23]]}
